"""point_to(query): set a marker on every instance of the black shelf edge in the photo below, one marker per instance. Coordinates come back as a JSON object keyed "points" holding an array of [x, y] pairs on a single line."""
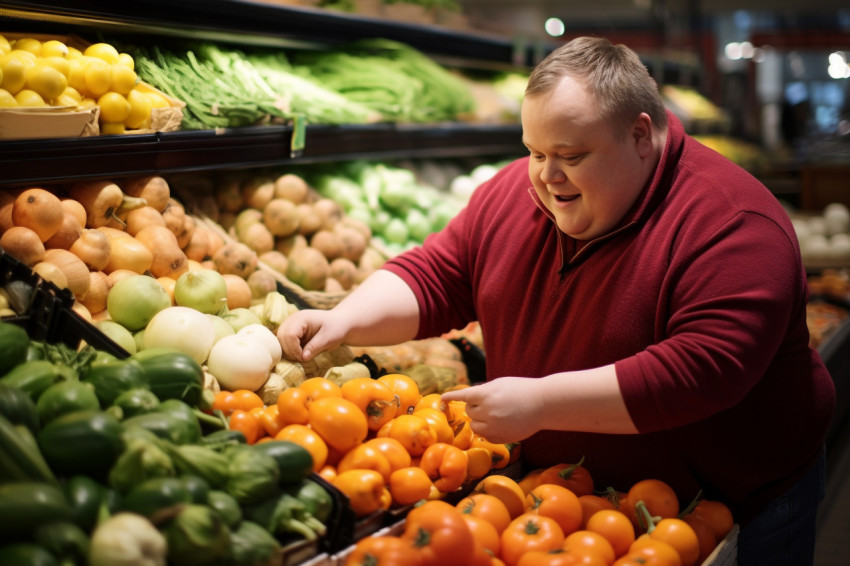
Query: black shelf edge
{"points": [[246, 21], [45, 161]]}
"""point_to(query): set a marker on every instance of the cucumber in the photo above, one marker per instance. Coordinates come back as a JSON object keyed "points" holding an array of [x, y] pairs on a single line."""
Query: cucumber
{"points": [[26, 505]]}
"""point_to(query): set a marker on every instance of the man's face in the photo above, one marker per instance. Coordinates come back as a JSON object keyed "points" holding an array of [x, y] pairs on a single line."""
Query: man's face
{"points": [[586, 173]]}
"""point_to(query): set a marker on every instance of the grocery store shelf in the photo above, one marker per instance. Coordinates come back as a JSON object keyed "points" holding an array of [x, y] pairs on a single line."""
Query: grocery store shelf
{"points": [[53, 160], [243, 21]]}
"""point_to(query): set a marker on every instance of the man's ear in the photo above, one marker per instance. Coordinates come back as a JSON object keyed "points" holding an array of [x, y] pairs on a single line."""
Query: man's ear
{"points": [[641, 134]]}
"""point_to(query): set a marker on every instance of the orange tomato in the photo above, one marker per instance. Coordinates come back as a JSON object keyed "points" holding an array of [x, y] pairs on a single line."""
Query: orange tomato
{"points": [[705, 535], [500, 454], [574, 477], [716, 515], [440, 532], [647, 546], [615, 526], [328, 473], [529, 532], [383, 551], [678, 534], [590, 504], [363, 488], [365, 457], [530, 480], [559, 557], [584, 541], [319, 387], [484, 532], [405, 390], [242, 399], [409, 485], [463, 435], [393, 450], [339, 422], [480, 463], [432, 401], [487, 507], [439, 423], [307, 438], [292, 406], [658, 498], [412, 431], [556, 502], [446, 465], [373, 397], [269, 420], [247, 423]]}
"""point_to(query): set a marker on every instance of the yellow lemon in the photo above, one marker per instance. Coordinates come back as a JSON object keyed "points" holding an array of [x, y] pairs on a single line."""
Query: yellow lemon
{"points": [[73, 93], [65, 100], [59, 63], [14, 73], [53, 48], [111, 128], [74, 53], [6, 99], [28, 44], [5, 46], [124, 79], [114, 108], [140, 110], [98, 78], [87, 103], [127, 60], [157, 100], [104, 51], [46, 81], [27, 57], [29, 98]]}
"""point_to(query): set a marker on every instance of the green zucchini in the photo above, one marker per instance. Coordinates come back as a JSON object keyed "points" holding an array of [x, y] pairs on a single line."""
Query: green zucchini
{"points": [[26, 505], [18, 407], [35, 376], [171, 374], [20, 458], [26, 554], [86, 497], [82, 442], [293, 461], [15, 345]]}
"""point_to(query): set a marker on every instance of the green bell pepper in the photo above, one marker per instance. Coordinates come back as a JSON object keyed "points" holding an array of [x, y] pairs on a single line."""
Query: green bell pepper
{"points": [[36, 376], [87, 498], [82, 442], [156, 494], [65, 540], [111, 379], [66, 397], [136, 402], [172, 374]]}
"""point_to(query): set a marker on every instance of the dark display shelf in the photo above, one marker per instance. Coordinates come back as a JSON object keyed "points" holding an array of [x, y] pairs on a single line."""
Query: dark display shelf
{"points": [[255, 22], [51, 160]]}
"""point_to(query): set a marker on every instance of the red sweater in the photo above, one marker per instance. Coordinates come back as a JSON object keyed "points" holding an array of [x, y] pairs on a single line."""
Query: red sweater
{"points": [[699, 297]]}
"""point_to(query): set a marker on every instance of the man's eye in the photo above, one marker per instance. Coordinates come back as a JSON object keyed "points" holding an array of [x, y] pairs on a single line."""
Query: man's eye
{"points": [[571, 158]]}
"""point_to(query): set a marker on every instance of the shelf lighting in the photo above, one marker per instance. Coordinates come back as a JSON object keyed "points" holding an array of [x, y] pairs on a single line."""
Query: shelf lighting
{"points": [[838, 67], [554, 27]]}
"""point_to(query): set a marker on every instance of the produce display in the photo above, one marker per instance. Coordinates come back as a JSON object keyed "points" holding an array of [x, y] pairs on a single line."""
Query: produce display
{"points": [[36, 73], [824, 236], [553, 516]]}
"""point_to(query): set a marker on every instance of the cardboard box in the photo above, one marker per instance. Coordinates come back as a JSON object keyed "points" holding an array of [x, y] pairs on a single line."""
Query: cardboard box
{"points": [[33, 123], [60, 122]]}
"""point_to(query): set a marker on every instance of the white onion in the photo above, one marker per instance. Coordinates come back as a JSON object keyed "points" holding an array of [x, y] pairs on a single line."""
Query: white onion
{"points": [[239, 362], [183, 328], [266, 337]]}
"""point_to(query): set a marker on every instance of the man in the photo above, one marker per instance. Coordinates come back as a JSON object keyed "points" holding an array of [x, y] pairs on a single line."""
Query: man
{"points": [[642, 306]]}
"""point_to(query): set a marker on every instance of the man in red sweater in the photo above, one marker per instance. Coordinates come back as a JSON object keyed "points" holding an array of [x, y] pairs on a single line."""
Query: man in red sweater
{"points": [[642, 303]]}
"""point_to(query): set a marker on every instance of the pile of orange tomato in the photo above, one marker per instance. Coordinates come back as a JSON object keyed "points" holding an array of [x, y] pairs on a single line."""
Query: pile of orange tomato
{"points": [[379, 441], [541, 521]]}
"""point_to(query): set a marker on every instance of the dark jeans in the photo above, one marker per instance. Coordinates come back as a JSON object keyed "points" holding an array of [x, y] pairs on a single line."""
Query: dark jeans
{"points": [[784, 533]]}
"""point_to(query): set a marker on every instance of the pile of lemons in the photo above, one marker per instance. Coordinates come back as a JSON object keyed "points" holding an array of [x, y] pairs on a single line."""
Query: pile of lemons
{"points": [[35, 73]]}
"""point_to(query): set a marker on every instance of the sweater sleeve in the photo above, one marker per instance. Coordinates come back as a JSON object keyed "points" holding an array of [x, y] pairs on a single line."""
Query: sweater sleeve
{"points": [[733, 302]]}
